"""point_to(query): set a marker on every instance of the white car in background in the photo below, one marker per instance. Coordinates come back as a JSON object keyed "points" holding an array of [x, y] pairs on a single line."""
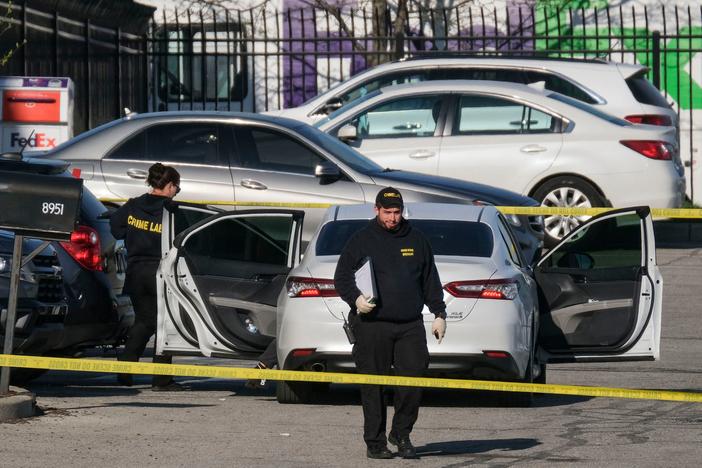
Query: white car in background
{"points": [[553, 148], [230, 282], [619, 89]]}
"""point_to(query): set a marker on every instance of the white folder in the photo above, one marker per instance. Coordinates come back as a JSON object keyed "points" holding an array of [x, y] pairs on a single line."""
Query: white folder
{"points": [[365, 280]]}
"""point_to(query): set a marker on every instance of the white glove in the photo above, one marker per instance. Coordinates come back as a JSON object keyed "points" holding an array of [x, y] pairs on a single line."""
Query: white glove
{"points": [[438, 328], [362, 305]]}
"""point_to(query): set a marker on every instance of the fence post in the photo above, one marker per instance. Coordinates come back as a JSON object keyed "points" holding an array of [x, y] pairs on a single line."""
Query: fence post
{"points": [[88, 78], [399, 45], [118, 70], [656, 59], [23, 40]]}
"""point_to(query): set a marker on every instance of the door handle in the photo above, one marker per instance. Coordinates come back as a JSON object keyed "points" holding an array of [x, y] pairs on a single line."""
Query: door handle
{"points": [[422, 154], [524, 122], [532, 149], [408, 126], [253, 184], [136, 173]]}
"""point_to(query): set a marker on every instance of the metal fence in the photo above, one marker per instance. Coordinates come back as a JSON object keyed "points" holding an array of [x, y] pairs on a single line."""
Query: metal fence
{"points": [[108, 66], [262, 59]]}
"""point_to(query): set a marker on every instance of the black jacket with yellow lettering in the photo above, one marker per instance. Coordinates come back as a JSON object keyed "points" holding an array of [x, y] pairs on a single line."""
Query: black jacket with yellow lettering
{"points": [[138, 222], [404, 269]]}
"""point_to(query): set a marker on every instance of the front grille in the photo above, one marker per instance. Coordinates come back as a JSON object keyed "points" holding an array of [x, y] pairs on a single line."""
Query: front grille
{"points": [[50, 288]]}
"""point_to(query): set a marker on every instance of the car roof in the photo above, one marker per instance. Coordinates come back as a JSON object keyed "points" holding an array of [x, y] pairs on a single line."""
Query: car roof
{"points": [[484, 86], [419, 210], [32, 165], [214, 115], [545, 63]]}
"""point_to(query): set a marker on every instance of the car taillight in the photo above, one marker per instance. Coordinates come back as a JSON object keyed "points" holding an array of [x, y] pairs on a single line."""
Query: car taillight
{"points": [[84, 247], [650, 119], [484, 289], [652, 149], [310, 287]]}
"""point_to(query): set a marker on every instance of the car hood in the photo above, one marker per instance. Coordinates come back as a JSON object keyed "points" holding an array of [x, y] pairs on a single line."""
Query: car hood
{"points": [[481, 192]]}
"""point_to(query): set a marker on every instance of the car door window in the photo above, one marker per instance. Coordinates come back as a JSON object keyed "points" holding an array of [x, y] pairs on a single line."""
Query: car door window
{"points": [[415, 116], [232, 247], [382, 82], [509, 242], [487, 115], [134, 148], [191, 143], [560, 85], [270, 150]]}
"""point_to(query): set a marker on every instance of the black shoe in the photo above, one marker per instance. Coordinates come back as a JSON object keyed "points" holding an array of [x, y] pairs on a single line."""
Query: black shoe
{"points": [[381, 453], [125, 379], [171, 387], [405, 449]]}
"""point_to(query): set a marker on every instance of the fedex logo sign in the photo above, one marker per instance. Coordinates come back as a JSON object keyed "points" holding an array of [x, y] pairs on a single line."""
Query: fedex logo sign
{"points": [[38, 141], [32, 138]]}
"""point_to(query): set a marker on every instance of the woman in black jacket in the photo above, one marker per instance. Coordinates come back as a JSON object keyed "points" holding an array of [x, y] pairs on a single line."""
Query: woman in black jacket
{"points": [[138, 222]]}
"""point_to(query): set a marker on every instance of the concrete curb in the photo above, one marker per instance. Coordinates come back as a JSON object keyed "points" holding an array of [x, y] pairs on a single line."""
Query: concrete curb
{"points": [[20, 403]]}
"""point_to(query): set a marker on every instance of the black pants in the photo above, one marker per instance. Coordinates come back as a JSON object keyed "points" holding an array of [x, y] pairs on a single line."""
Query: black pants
{"points": [[379, 347], [269, 357], [141, 283]]}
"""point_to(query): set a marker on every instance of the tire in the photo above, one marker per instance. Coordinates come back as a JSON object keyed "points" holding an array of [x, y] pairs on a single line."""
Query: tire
{"points": [[293, 392], [565, 192]]}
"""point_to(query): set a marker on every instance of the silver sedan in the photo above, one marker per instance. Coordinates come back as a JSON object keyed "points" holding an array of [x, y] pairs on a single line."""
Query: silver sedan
{"points": [[238, 159]]}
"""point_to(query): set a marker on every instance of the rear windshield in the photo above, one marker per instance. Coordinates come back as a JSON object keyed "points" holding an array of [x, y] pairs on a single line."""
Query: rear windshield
{"points": [[645, 92], [459, 238]]}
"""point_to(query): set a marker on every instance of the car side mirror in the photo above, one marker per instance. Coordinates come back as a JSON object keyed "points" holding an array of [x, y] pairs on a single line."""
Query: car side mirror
{"points": [[332, 105], [327, 172], [347, 133]]}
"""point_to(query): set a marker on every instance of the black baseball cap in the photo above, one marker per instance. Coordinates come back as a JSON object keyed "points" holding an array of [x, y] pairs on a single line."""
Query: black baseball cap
{"points": [[389, 197]]}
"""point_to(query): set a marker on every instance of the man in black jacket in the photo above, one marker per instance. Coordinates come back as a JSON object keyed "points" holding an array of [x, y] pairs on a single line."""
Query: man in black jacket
{"points": [[389, 329]]}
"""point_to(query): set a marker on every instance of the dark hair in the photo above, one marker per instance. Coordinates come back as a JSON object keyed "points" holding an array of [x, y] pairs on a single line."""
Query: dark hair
{"points": [[161, 175]]}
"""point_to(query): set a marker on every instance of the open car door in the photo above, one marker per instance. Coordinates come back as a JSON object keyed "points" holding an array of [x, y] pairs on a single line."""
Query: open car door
{"points": [[219, 281], [601, 291]]}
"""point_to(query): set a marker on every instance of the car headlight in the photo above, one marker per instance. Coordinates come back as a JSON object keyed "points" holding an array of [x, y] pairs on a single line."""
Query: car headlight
{"points": [[514, 220], [5, 264]]}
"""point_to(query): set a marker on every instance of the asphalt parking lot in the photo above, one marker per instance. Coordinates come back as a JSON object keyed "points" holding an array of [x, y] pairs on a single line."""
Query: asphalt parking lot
{"points": [[88, 420]]}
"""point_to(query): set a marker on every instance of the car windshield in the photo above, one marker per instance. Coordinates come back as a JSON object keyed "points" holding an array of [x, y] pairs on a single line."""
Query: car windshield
{"points": [[456, 238], [339, 150], [87, 134], [349, 106], [589, 109]]}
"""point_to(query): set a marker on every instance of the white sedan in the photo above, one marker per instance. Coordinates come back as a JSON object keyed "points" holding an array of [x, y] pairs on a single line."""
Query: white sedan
{"points": [[553, 148], [230, 282]]}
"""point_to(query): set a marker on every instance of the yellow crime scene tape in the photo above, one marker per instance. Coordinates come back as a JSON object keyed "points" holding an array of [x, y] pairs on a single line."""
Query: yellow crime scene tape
{"points": [[238, 373], [681, 213]]}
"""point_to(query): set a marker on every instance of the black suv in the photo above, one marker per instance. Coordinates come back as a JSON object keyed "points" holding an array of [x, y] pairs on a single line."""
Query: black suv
{"points": [[93, 263]]}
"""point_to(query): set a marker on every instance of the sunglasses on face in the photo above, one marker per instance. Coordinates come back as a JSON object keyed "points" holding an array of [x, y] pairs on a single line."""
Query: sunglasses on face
{"points": [[177, 187]]}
